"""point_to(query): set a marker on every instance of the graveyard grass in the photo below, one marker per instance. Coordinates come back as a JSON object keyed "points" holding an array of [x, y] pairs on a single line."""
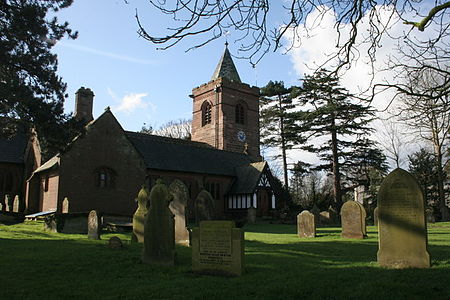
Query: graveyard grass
{"points": [[279, 265]]}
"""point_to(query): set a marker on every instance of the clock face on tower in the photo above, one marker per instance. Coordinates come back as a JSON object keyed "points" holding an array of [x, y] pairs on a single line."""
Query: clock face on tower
{"points": [[241, 136]]}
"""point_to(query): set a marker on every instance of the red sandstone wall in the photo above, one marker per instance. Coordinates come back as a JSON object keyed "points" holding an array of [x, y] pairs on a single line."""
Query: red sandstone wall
{"points": [[104, 145], [222, 132]]}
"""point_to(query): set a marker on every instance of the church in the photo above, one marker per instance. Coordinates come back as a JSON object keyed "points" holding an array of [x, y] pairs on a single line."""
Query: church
{"points": [[104, 168]]}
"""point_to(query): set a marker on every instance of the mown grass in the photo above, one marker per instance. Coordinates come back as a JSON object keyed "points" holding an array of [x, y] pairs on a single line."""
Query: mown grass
{"points": [[39, 265]]}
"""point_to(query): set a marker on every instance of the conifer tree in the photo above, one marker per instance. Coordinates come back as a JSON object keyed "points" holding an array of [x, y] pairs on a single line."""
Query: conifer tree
{"points": [[331, 114], [277, 126], [31, 92]]}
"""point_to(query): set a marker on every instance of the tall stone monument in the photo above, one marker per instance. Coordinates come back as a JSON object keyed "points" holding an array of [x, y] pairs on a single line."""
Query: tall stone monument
{"points": [[159, 231], [180, 194], [353, 219], [94, 225], [139, 215], [218, 248], [204, 207], [402, 236], [306, 225]]}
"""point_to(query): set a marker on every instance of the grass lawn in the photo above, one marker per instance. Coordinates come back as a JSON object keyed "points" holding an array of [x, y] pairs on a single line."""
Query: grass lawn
{"points": [[39, 265]]}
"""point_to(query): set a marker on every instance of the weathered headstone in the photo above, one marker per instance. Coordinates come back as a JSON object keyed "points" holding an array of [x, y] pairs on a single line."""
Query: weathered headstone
{"points": [[139, 215], [251, 215], [180, 195], [204, 207], [218, 248], [363, 218], [65, 206], [8, 204], [159, 231], [94, 225], [430, 215], [375, 217], [353, 220], [306, 225], [402, 232], [324, 217], [16, 204], [115, 243]]}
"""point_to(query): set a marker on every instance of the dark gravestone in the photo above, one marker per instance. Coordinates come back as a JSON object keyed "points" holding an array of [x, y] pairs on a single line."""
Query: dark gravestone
{"points": [[65, 206], [353, 220], [115, 243], [204, 207], [306, 225], [159, 231], [218, 248], [139, 215], [401, 222], [180, 194], [430, 215], [251, 215], [94, 225]]}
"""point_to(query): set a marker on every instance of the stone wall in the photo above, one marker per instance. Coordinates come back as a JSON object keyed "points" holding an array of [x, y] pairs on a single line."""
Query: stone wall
{"points": [[103, 146]]}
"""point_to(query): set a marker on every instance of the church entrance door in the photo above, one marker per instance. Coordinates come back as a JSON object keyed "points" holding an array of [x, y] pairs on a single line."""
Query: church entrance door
{"points": [[263, 203]]}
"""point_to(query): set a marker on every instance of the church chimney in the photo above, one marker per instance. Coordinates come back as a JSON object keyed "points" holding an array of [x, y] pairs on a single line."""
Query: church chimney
{"points": [[84, 99]]}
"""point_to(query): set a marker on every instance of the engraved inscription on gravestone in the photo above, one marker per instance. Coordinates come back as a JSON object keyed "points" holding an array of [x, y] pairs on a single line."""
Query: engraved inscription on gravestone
{"points": [[218, 248], [215, 245]]}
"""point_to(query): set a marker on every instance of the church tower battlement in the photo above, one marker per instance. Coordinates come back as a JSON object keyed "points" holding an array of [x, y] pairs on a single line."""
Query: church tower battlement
{"points": [[226, 111]]}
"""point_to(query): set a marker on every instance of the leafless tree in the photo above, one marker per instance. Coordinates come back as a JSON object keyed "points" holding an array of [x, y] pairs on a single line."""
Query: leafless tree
{"points": [[179, 129], [254, 27], [425, 109], [393, 140]]}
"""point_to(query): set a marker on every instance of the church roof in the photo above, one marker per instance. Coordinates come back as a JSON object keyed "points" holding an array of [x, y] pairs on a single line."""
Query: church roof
{"points": [[248, 177], [12, 150], [226, 68], [171, 154]]}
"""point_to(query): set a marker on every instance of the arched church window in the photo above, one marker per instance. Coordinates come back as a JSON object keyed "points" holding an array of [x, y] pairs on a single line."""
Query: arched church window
{"points": [[240, 114], [105, 178], [206, 113]]}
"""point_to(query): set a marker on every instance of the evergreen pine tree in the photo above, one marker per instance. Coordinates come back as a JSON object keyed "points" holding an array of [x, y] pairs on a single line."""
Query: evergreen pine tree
{"points": [[31, 93], [331, 114], [277, 127]]}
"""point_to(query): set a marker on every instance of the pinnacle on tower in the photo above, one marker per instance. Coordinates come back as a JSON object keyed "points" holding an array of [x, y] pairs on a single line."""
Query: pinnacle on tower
{"points": [[226, 68]]}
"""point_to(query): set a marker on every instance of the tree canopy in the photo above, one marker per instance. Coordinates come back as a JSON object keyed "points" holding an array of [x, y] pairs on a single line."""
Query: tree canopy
{"points": [[31, 92], [258, 32]]}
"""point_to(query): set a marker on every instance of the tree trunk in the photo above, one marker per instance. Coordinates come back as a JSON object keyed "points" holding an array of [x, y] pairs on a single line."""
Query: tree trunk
{"points": [[445, 213], [336, 175], [283, 144]]}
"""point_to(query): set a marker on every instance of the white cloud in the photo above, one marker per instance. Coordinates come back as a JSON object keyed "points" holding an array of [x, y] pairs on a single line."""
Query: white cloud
{"points": [[317, 40], [131, 102]]}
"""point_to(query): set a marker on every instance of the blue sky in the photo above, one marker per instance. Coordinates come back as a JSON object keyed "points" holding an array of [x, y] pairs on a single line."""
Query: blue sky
{"points": [[127, 73], [145, 85]]}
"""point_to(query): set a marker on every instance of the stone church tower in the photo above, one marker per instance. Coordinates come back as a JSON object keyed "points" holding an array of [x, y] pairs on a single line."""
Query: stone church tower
{"points": [[226, 111]]}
